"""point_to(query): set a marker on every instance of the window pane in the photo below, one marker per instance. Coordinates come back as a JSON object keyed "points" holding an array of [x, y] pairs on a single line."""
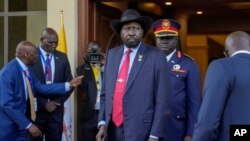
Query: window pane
{"points": [[1, 42], [1, 5], [37, 5], [35, 25], [17, 33], [17, 5], [27, 5], [25, 28]]}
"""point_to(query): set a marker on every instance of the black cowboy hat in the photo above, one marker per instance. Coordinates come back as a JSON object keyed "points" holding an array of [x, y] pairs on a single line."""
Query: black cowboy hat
{"points": [[131, 15]]}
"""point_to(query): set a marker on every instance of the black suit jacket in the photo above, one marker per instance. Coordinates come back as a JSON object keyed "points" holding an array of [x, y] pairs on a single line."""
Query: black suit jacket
{"points": [[62, 74], [89, 91]]}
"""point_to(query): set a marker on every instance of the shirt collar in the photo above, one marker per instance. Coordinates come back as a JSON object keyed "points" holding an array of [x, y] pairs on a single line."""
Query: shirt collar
{"points": [[170, 55], [241, 51], [23, 66], [134, 50], [43, 51]]}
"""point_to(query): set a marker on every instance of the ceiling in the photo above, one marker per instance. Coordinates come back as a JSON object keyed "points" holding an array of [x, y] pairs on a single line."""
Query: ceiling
{"points": [[219, 16], [209, 7]]}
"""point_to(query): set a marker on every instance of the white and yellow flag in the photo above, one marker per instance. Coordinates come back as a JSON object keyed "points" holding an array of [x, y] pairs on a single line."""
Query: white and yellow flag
{"points": [[62, 46]]}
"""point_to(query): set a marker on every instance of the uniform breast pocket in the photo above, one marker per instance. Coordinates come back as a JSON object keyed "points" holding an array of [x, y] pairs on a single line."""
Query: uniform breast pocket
{"points": [[178, 80]]}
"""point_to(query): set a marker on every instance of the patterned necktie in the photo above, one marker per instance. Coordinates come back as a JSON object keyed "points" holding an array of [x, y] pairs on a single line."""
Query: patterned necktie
{"points": [[31, 96], [48, 70], [117, 115]]}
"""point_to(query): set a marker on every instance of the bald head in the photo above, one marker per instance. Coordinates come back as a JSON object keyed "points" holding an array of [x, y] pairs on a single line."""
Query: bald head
{"points": [[26, 52], [49, 40], [238, 40], [48, 30]]}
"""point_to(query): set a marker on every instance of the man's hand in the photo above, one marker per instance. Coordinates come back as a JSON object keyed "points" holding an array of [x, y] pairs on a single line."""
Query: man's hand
{"points": [[51, 106], [187, 138], [102, 134], [34, 131], [75, 81], [103, 58], [152, 139]]}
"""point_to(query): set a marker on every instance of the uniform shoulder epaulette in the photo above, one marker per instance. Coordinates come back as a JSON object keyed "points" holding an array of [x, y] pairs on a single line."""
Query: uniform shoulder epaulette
{"points": [[189, 57]]}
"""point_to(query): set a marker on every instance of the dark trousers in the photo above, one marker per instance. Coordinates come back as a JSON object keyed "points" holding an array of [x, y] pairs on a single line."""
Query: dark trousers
{"points": [[89, 128], [115, 133], [51, 129]]}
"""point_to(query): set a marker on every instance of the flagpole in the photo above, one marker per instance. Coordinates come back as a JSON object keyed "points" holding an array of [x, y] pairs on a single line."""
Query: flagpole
{"points": [[62, 47], [61, 18]]}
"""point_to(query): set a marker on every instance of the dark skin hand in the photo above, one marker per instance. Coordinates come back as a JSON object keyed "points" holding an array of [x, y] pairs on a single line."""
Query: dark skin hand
{"points": [[187, 138], [102, 134], [75, 81], [51, 106], [34, 131]]}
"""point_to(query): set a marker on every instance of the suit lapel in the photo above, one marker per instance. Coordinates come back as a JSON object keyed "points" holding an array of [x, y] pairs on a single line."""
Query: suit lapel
{"points": [[57, 67], [20, 73], [173, 60], [115, 59], [40, 69], [138, 61]]}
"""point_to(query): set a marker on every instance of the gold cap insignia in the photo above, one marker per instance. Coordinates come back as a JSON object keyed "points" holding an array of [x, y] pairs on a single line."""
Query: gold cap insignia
{"points": [[165, 24]]}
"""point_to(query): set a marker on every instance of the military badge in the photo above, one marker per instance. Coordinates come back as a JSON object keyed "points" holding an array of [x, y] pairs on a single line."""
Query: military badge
{"points": [[165, 24], [176, 67]]}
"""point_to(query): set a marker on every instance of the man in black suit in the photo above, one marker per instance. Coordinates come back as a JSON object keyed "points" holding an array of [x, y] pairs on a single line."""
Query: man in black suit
{"points": [[90, 90], [51, 67]]}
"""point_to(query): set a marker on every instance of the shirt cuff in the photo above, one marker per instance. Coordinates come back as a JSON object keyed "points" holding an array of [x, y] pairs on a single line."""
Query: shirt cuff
{"points": [[67, 88], [28, 126], [102, 122], [154, 137]]}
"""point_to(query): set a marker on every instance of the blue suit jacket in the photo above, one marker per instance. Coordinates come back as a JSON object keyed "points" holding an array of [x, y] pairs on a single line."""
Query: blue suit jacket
{"points": [[146, 96], [13, 101], [226, 98], [185, 97]]}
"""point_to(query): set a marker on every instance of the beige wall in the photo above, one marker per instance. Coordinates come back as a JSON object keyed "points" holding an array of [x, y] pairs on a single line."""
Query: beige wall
{"points": [[70, 24], [35, 24]]}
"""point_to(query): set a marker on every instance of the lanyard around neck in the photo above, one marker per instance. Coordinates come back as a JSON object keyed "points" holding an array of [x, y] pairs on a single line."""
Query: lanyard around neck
{"points": [[47, 65], [27, 76]]}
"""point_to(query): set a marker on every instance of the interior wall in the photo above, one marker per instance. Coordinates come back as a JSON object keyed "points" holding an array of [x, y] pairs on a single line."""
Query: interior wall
{"points": [[197, 48], [217, 25], [34, 27]]}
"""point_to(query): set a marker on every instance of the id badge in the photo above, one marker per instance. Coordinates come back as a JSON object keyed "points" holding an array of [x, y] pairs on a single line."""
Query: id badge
{"points": [[98, 96], [35, 103]]}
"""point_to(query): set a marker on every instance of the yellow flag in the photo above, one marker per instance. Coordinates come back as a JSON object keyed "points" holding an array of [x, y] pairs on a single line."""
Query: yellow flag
{"points": [[62, 46]]}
